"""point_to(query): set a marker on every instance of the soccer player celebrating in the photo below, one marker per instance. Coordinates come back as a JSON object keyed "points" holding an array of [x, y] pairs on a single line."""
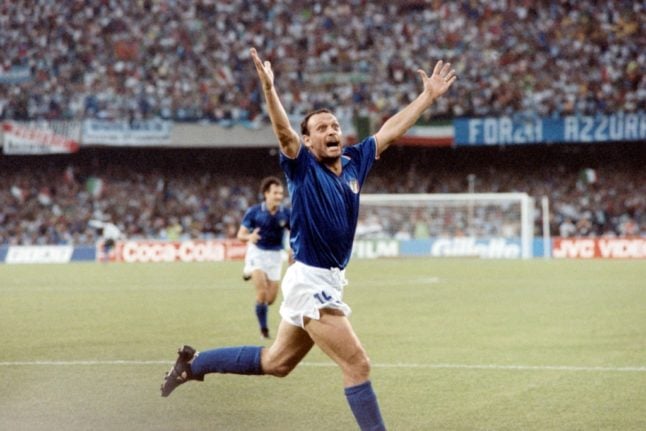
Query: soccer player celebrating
{"points": [[324, 179], [263, 229]]}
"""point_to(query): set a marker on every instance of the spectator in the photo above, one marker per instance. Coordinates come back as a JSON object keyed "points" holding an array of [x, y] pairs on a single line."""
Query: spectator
{"points": [[186, 60], [177, 196], [567, 229]]}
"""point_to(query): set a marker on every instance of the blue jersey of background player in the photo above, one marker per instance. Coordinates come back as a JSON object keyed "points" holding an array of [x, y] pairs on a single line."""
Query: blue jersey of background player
{"points": [[263, 228], [272, 222], [324, 181]]}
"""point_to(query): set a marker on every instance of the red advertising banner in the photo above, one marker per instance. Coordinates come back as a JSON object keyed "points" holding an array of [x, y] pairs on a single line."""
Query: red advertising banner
{"points": [[41, 138], [165, 251], [605, 248]]}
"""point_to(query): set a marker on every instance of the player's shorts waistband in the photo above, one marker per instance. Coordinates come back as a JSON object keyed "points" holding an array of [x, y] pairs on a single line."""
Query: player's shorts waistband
{"points": [[319, 269], [335, 276]]}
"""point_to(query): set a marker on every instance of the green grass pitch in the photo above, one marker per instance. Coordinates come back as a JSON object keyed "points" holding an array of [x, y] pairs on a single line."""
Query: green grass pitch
{"points": [[455, 345]]}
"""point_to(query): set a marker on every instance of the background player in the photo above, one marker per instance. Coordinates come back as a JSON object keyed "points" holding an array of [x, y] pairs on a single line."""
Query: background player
{"points": [[108, 234], [263, 228]]}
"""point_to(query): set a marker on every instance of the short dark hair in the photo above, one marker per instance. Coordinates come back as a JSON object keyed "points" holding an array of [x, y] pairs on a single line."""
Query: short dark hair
{"points": [[267, 182], [304, 129]]}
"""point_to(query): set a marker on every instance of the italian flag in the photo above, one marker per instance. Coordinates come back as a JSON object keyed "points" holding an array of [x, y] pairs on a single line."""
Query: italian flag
{"points": [[436, 135]]}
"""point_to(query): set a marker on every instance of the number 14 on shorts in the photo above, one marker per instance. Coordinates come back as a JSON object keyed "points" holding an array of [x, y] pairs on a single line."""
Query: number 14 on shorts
{"points": [[323, 297]]}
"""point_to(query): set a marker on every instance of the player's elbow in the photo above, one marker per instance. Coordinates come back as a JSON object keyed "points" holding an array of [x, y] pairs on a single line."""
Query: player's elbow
{"points": [[384, 139], [289, 142]]}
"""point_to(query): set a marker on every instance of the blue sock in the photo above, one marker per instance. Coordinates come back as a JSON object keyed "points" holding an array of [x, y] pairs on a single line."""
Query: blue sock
{"points": [[261, 313], [234, 360], [364, 405]]}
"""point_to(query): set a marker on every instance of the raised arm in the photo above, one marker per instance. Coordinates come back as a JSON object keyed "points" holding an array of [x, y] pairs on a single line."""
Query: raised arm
{"points": [[287, 137], [434, 86]]}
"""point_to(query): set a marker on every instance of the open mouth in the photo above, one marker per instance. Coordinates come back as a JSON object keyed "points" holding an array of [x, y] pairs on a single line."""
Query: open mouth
{"points": [[333, 144]]}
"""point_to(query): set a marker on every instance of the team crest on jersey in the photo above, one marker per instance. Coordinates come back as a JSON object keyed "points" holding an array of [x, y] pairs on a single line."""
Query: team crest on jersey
{"points": [[354, 186]]}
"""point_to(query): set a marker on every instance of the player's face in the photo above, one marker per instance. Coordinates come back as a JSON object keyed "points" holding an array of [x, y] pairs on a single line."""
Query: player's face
{"points": [[274, 196], [324, 140]]}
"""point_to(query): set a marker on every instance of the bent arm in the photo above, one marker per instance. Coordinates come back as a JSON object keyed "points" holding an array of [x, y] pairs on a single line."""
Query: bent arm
{"points": [[434, 86], [288, 139], [245, 235]]}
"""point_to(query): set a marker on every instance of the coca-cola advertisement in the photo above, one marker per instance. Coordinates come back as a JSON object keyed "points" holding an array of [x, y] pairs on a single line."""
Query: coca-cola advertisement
{"points": [[174, 251]]}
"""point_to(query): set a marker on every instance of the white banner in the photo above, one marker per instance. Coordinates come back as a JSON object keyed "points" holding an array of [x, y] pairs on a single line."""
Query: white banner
{"points": [[39, 254], [15, 75], [127, 133], [41, 137]]}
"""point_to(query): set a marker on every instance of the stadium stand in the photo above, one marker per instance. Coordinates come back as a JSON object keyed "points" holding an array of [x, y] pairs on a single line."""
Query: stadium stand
{"points": [[599, 189], [187, 61]]}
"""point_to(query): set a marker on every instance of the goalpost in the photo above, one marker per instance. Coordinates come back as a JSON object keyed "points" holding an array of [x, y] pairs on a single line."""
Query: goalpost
{"points": [[488, 225]]}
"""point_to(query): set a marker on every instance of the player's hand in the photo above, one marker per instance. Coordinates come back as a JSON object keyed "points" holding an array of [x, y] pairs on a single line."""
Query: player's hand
{"points": [[440, 81], [254, 236], [265, 73]]}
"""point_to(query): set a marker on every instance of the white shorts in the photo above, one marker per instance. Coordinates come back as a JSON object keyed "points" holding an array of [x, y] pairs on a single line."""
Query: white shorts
{"points": [[268, 261], [307, 289]]}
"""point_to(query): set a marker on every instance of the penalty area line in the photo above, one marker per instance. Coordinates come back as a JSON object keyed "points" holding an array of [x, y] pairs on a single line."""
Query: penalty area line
{"points": [[494, 367]]}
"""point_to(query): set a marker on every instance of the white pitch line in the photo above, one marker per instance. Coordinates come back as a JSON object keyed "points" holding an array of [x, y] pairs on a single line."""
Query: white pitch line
{"points": [[498, 367], [635, 369], [89, 362], [381, 283]]}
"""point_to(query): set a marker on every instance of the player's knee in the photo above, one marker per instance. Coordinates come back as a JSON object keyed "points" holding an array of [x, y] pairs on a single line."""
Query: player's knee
{"points": [[360, 366], [275, 366], [271, 299], [272, 292], [283, 371], [280, 370]]}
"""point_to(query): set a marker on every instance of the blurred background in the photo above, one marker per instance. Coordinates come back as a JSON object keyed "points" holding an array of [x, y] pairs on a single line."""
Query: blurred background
{"points": [[148, 114]]}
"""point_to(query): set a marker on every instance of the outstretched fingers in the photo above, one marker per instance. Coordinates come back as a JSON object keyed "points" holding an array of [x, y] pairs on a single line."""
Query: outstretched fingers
{"points": [[450, 76], [438, 67], [260, 65], [444, 72], [265, 73], [256, 59], [446, 68], [441, 70]]}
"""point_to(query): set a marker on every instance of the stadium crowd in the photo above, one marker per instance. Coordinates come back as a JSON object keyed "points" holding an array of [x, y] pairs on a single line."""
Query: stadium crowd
{"points": [[197, 195], [55, 205], [608, 200], [188, 60]]}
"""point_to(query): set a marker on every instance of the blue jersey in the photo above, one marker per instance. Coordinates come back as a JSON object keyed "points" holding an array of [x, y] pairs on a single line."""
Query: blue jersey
{"points": [[325, 208], [272, 226]]}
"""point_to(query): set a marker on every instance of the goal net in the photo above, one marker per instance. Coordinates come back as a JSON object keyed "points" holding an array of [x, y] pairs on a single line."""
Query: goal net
{"points": [[487, 225]]}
